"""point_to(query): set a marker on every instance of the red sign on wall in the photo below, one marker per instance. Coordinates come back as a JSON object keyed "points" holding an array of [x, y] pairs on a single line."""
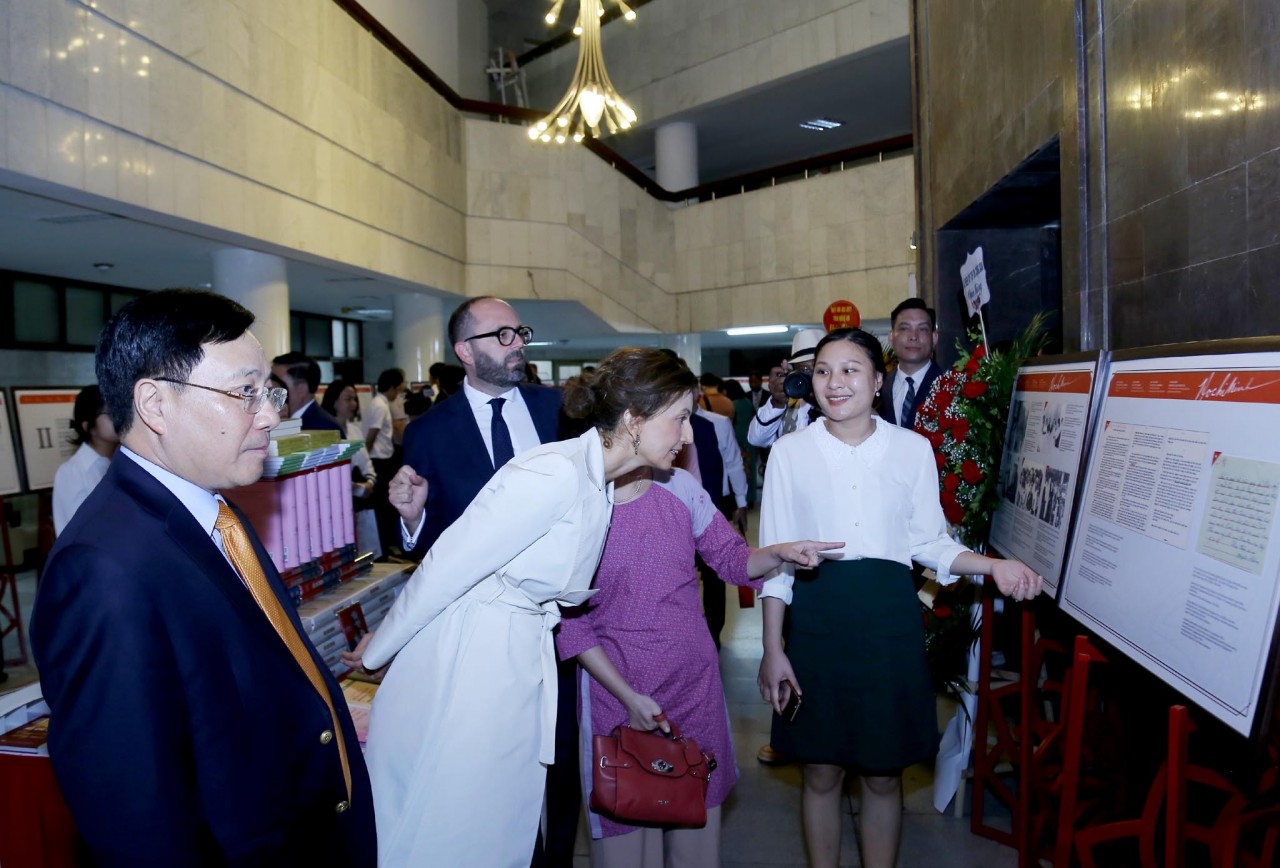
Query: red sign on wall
{"points": [[841, 315]]}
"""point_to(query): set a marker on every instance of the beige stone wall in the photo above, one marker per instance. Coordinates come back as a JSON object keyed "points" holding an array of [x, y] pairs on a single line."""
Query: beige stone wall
{"points": [[782, 254], [584, 231], [679, 54], [281, 121]]}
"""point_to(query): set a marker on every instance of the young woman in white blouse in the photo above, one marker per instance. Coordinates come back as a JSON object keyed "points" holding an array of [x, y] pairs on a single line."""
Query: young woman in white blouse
{"points": [[96, 438], [855, 648]]}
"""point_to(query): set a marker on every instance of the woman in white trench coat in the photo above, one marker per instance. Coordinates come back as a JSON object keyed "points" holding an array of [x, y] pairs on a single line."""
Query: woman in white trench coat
{"points": [[464, 722]]}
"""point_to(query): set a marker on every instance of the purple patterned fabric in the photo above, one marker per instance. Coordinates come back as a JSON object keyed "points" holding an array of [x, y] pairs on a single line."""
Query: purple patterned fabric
{"points": [[648, 619]]}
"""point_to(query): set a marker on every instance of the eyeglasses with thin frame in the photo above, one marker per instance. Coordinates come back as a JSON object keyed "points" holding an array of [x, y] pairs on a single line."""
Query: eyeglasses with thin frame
{"points": [[253, 400], [507, 335]]}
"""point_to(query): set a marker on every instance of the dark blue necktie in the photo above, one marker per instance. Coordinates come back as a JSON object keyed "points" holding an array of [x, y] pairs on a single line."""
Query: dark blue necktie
{"points": [[908, 405], [503, 451]]}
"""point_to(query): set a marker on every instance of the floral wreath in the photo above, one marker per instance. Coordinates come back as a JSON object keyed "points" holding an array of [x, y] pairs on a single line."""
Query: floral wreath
{"points": [[964, 418]]}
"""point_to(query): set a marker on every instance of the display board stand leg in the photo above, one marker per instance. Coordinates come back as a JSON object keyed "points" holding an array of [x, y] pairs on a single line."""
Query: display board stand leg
{"points": [[988, 757], [10, 608], [1073, 712]]}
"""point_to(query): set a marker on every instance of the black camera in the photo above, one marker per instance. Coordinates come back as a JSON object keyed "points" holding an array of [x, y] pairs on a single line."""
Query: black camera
{"points": [[798, 384]]}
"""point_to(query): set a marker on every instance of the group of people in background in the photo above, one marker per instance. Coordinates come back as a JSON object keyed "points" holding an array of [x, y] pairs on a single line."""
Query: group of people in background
{"points": [[561, 535]]}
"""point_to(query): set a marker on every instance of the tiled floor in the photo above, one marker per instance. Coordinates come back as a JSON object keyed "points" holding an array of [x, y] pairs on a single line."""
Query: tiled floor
{"points": [[761, 820]]}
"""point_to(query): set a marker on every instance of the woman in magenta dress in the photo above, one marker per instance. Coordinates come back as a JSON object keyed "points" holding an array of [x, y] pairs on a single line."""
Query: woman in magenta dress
{"points": [[647, 656]]}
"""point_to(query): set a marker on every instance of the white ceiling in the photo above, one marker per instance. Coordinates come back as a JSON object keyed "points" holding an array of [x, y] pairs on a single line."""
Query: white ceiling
{"points": [[43, 234]]}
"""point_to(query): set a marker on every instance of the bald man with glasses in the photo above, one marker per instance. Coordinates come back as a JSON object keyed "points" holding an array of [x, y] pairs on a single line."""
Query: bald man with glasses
{"points": [[191, 721]]}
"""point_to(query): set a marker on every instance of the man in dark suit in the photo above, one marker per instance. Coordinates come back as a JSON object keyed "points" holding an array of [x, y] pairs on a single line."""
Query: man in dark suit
{"points": [[913, 334], [191, 722], [300, 377], [453, 451], [452, 448]]}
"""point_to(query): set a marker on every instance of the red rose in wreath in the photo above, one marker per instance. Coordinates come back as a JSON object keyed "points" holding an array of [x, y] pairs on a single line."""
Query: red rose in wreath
{"points": [[945, 422], [960, 430], [942, 612], [936, 439], [971, 472], [954, 513], [940, 458], [974, 389], [943, 400], [952, 482]]}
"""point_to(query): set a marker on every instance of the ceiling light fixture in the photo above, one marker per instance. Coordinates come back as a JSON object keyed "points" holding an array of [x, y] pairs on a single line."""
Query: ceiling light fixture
{"points": [[821, 125], [591, 97], [104, 266], [756, 330]]}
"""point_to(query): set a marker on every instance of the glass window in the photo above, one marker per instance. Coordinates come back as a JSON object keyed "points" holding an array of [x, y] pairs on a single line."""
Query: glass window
{"points": [[85, 317], [35, 312], [120, 299], [295, 333], [354, 334], [318, 339], [339, 339]]}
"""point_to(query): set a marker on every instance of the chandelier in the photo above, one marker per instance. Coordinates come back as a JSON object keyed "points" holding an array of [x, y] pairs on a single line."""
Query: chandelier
{"points": [[591, 98]]}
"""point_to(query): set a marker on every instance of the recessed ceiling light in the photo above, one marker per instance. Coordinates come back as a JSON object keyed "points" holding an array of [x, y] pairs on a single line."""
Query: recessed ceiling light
{"points": [[104, 266], [821, 125], [755, 330]]}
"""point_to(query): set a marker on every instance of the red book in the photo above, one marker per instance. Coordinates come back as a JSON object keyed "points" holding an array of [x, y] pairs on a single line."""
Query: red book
{"points": [[353, 624]]}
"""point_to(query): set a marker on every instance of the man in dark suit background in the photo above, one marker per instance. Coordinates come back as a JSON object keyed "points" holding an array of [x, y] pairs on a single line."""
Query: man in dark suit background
{"points": [[300, 376], [452, 448], [913, 334], [453, 451], [191, 722]]}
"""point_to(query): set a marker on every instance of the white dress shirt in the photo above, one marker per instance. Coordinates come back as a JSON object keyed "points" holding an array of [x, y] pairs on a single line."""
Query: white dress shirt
{"points": [[73, 482], [377, 417], [767, 423], [515, 412], [734, 478], [880, 498]]}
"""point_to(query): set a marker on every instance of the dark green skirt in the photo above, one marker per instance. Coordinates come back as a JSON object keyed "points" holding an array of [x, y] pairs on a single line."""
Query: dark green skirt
{"points": [[856, 643]]}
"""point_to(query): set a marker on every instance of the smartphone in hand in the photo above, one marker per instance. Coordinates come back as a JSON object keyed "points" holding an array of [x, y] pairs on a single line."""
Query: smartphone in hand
{"points": [[792, 707]]}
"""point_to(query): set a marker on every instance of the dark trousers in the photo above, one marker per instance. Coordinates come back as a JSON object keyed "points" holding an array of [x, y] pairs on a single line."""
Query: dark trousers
{"points": [[713, 589], [564, 788], [388, 518]]}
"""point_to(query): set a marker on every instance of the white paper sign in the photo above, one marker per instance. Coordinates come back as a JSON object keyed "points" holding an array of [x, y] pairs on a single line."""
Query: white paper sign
{"points": [[973, 276], [9, 483], [44, 421]]}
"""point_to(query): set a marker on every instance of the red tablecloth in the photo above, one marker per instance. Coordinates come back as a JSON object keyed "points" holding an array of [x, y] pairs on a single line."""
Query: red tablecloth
{"points": [[36, 830]]}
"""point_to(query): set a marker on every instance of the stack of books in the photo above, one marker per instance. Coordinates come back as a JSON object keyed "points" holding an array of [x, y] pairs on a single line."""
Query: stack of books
{"points": [[336, 619], [30, 738], [293, 450]]}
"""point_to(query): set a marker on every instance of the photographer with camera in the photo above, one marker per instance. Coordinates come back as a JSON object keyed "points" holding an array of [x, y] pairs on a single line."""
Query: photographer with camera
{"points": [[789, 407]]}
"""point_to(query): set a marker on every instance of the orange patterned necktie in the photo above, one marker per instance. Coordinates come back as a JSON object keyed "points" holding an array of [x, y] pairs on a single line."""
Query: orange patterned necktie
{"points": [[240, 552]]}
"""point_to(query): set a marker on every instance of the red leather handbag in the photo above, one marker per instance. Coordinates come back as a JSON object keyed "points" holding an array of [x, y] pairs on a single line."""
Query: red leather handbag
{"points": [[648, 777]]}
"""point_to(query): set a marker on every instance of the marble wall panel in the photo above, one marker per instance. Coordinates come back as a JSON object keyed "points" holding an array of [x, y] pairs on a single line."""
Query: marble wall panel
{"points": [[677, 54], [1178, 202]]}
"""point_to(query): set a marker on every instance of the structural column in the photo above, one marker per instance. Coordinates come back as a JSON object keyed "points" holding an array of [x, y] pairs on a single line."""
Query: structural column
{"points": [[418, 336], [688, 347], [676, 155], [259, 282]]}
